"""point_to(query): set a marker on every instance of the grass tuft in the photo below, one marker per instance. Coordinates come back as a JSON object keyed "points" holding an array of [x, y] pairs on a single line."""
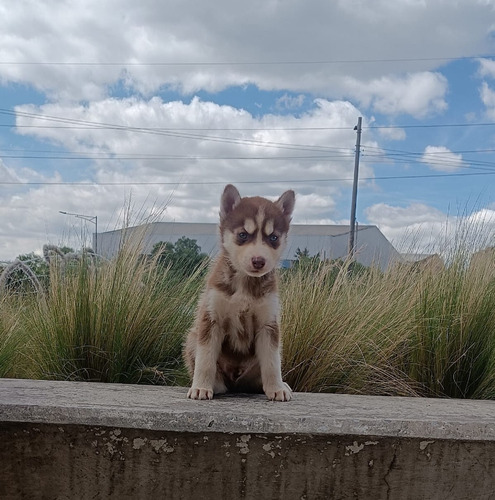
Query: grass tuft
{"points": [[117, 321]]}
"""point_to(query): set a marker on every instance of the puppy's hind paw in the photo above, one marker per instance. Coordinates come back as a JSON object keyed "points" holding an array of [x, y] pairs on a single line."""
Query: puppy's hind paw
{"points": [[199, 393]]}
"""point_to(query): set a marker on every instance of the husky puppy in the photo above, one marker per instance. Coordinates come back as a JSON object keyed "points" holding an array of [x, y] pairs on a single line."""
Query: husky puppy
{"points": [[234, 344]]}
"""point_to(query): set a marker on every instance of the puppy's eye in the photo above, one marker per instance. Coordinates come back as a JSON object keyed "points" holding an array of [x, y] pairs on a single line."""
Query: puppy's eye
{"points": [[273, 238], [243, 236]]}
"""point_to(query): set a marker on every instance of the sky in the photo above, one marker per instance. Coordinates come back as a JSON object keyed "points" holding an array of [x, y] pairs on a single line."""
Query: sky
{"points": [[133, 111]]}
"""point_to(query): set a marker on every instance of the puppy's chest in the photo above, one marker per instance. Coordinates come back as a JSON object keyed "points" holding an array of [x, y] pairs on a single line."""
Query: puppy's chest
{"points": [[241, 316]]}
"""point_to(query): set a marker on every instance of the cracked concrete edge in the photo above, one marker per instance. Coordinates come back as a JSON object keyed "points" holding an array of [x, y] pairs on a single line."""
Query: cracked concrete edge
{"points": [[167, 409]]}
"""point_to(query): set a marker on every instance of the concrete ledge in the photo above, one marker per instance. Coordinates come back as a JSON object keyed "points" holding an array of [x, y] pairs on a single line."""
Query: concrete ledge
{"points": [[167, 409], [81, 440]]}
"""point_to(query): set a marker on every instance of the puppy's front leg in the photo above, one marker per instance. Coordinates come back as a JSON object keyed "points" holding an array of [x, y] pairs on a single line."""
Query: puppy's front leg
{"points": [[205, 364], [268, 354]]}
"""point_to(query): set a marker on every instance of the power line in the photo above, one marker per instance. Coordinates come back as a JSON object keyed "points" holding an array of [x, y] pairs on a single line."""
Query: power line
{"points": [[243, 129], [164, 132], [434, 125], [91, 156], [90, 125], [279, 181], [86, 124], [337, 157], [455, 151], [375, 151], [246, 63], [439, 158], [231, 140], [182, 129], [411, 158], [337, 153]]}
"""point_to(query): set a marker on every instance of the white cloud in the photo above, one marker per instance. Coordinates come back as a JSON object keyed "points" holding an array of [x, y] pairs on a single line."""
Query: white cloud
{"points": [[420, 228], [442, 159], [488, 98], [166, 130], [174, 164], [418, 94], [416, 228], [153, 41], [287, 102], [487, 68], [395, 217], [7, 174], [394, 134], [311, 207]]}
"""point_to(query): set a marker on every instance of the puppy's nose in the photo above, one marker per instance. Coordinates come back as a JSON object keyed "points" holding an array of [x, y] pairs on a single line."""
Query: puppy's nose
{"points": [[258, 262]]}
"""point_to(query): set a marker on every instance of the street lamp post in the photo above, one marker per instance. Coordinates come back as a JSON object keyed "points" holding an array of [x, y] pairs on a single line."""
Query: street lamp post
{"points": [[90, 218]]}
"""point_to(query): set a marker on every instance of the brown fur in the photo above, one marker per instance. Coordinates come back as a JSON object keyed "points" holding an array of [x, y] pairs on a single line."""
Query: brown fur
{"points": [[234, 344]]}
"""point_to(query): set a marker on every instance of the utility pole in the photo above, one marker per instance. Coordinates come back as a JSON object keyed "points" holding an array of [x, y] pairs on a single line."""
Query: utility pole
{"points": [[352, 230]]}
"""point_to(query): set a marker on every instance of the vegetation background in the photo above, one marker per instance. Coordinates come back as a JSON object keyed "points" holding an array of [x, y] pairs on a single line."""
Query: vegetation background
{"points": [[414, 331]]}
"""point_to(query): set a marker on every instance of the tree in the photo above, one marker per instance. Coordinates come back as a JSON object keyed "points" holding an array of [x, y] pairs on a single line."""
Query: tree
{"points": [[302, 254], [305, 261], [330, 268], [183, 258]]}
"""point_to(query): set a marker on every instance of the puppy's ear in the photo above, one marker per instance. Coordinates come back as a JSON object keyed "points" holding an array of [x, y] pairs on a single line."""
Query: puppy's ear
{"points": [[230, 199], [286, 203]]}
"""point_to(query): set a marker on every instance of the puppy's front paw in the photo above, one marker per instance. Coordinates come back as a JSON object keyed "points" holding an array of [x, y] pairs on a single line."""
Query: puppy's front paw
{"points": [[279, 393], [199, 393]]}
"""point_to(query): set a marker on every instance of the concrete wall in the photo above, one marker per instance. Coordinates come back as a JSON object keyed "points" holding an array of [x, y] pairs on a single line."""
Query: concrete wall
{"points": [[79, 440]]}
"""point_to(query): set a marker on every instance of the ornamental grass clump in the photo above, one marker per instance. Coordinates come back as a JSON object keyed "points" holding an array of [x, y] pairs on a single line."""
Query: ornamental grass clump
{"points": [[453, 341], [11, 337], [426, 329], [420, 330], [113, 321], [346, 332]]}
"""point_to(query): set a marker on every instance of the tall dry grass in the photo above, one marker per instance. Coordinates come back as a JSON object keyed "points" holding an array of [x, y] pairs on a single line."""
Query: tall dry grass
{"points": [[409, 331], [453, 342], [347, 333], [116, 321], [12, 337], [414, 331]]}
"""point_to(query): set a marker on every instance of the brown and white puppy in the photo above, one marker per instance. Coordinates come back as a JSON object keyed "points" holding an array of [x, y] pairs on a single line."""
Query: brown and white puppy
{"points": [[234, 344]]}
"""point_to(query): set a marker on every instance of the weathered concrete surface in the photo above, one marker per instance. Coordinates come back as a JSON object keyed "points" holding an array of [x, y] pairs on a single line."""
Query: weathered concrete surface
{"points": [[79, 440], [167, 409]]}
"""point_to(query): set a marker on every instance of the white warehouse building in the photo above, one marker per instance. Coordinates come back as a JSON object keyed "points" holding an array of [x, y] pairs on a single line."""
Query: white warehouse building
{"points": [[327, 241]]}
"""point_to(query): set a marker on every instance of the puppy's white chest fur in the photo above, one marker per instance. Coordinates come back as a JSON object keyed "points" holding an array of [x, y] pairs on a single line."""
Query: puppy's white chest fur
{"points": [[240, 316], [221, 306]]}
